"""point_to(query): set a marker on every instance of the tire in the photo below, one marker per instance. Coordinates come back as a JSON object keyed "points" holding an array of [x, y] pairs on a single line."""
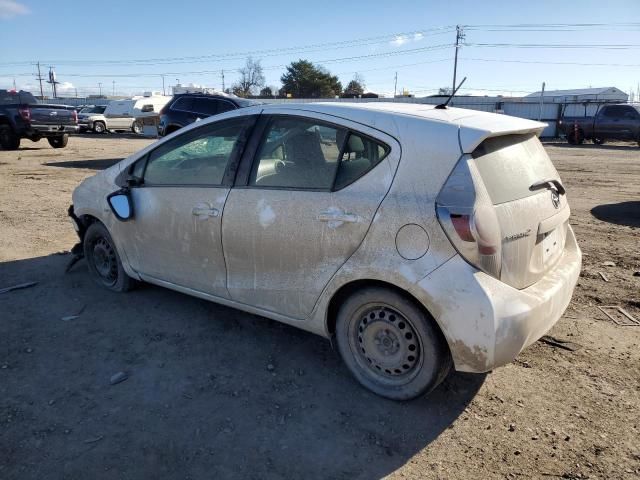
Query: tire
{"points": [[576, 139], [391, 345], [59, 141], [8, 138], [598, 140], [103, 259], [136, 128], [99, 127]]}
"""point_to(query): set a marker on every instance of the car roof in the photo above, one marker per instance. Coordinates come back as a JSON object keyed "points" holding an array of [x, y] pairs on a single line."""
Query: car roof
{"points": [[474, 126]]}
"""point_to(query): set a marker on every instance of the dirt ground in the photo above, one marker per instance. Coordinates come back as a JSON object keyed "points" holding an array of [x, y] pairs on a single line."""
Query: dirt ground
{"points": [[216, 393]]}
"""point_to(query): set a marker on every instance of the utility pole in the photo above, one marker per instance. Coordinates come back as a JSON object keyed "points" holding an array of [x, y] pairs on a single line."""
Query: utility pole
{"points": [[163, 92], [114, 88], [14, 85], [100, 87], [53, 81], [40, 80], [223, 80], [395, 85], [459, 36], [541, 102]]}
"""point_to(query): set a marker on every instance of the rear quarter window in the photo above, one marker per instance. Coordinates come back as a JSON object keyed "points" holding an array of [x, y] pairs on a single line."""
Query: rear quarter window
{"points": [[510, 164]]}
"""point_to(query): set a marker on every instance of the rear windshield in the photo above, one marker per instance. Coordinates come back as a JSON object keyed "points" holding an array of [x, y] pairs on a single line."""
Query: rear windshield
{"points": [[510, 164], [21, 97]]}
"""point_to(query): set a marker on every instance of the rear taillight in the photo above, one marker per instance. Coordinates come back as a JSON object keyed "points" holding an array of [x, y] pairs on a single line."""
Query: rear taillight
{"points": [[468, 218], [74, 115], [25, 113]]}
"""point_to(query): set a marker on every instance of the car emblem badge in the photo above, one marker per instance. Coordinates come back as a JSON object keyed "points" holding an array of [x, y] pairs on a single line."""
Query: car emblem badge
{"points": [[555, 199]]}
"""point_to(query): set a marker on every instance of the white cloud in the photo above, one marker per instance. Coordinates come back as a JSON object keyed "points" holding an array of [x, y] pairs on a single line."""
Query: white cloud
{"points": [[11, 8], [400, 40]]}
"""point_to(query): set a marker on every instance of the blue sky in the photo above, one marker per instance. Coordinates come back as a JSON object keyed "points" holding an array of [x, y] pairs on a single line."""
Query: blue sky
{"points": [[89, 42]]}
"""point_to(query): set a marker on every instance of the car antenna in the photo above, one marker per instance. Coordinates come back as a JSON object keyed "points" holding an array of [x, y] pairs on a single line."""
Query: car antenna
{"points": [[443, 106]]}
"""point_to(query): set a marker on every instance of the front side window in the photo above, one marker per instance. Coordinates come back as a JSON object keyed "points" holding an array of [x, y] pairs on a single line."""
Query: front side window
{"points": [[199, 157], [298, 153]]}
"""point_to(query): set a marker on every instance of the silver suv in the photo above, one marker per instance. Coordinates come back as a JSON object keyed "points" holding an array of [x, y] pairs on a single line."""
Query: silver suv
{"points": [[419, 238]]}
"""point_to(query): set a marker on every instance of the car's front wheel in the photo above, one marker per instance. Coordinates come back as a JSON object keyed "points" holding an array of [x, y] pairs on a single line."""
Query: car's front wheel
{"points": [[104, 262], [391, 345]]}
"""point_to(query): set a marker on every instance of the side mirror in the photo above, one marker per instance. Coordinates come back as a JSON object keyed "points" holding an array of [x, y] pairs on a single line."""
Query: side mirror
{"points": [[121, 205]]}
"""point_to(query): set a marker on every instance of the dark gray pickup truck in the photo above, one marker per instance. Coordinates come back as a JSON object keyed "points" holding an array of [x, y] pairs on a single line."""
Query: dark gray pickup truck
{"points": [[21, 116], [611, 122]]}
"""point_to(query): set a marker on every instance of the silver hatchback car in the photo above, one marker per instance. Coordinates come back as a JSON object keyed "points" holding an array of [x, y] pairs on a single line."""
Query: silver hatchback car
{"points": [[420, 238]]}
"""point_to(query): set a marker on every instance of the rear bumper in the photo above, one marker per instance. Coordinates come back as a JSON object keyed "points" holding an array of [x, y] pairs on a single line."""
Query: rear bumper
{"points": [[51, 130], [486, 322]]}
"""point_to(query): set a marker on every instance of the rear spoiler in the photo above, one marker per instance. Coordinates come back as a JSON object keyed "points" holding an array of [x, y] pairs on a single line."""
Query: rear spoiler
{"points": [[475, 129]]}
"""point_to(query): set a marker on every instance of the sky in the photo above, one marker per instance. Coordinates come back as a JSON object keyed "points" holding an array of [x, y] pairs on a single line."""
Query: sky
{"points": [[510, 47]]}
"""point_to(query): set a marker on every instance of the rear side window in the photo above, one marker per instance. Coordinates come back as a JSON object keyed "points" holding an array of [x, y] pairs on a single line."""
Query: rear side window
{"points": [[360, 155], [205, 106], [183, 103], [510, 164], [298, 153]]}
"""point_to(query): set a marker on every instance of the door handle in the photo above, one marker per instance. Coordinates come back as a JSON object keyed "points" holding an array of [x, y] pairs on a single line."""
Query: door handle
{"points": [[337, 217], [205, 211]]}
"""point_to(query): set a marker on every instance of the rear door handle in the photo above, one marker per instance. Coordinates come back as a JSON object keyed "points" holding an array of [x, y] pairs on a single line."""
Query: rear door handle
{"points": [[204, 210], [337, 217]]}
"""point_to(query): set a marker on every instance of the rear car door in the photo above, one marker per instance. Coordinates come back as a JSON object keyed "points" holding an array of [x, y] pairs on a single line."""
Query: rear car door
{"points": [[300, 208], [184, 183]]}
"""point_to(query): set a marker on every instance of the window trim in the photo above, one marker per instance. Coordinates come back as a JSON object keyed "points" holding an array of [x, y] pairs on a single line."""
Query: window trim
{"points": [[250, 156], [247, 123]]}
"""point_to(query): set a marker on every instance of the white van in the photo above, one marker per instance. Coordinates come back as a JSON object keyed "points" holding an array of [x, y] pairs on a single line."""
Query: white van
{"points": [[122, 114]]}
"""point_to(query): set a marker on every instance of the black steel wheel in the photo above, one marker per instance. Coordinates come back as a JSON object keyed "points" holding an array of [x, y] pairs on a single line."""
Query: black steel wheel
{"points": [[8, 138], [390, 344], [104, 262]]}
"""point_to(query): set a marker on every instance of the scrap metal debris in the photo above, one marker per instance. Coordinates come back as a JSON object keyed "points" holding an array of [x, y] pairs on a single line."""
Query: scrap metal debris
{"points": [[18, 287], [604, 277], [557, 342], [118, 377], [629, 321]]}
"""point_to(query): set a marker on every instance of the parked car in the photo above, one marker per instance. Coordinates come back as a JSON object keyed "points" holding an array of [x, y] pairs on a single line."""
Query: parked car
{"points": [[121, 115], [419, 238], [21, 116], [611, 122], [186, 108], [89, 116]]}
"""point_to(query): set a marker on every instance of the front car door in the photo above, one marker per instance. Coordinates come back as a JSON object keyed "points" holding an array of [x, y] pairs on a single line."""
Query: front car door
{"points": [[184, 183], [302, 208]]}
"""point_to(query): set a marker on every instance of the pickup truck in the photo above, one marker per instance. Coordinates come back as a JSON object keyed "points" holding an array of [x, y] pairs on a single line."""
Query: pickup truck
{"points": [[21, 116], [611, 122]]}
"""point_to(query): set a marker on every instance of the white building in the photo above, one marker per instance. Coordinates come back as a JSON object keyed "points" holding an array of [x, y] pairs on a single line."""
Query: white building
{"points": [[581, 95]]}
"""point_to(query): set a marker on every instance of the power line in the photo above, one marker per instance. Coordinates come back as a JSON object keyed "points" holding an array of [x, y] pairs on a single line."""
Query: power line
{"points": [[554, 45], [545, 62]]}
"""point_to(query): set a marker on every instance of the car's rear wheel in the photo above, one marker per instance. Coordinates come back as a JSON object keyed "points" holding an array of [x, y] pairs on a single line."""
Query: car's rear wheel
{"points": [[99, 127], [8, 138], [390, 344], [136, 128], [59, 141], [104, 262], [576, 137]]}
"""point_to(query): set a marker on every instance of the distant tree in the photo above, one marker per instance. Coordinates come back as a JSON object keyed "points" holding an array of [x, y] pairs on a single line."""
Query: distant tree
{"points": [[266, 92], [355, 88], [444, 91], [251, 78], [303, 79]]}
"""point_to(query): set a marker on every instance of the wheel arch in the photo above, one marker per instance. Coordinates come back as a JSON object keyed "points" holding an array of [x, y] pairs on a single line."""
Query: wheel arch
{"points": [[349, 288]]}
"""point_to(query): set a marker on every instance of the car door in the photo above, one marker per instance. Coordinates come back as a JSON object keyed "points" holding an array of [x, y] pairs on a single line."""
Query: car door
{"points": [[616, 122], [178, 205], [302, 209]]}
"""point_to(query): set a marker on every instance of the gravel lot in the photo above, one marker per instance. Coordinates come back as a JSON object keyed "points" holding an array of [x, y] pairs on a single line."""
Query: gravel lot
{"points": [[216, 393]]}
